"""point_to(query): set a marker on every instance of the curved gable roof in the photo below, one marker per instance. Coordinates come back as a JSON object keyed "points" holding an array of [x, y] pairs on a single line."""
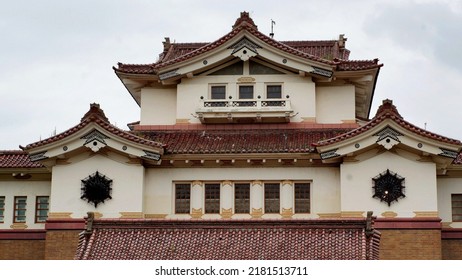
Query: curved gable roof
{"points": [[332, 53], [97, 116], [388, 111]]}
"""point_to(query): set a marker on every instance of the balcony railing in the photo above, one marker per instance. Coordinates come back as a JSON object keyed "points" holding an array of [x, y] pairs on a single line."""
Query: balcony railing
{"points": [[270, 110]]}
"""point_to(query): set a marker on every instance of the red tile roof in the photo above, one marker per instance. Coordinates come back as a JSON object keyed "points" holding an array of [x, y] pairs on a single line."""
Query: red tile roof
{"points": [[17, 159], [320, 239], [388, 111], [329, 52], [241, 141], [95, 115]]}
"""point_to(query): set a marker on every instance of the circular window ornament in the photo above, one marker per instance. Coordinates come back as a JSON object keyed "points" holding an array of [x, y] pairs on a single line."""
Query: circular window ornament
{"points": [[96, 188], [388, 187]]}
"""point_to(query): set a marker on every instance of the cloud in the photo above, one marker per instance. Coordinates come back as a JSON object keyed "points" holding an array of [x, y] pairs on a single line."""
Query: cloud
{"points": [[429, 29]]}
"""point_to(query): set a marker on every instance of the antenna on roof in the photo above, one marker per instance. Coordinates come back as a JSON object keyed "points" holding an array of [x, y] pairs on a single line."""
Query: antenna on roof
{"points": [[272, 24]]}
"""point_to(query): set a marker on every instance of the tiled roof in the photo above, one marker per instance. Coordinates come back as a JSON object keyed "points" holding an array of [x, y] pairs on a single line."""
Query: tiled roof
{"points": [[241, 141], [95, 115], [17, 159], [388, 111], [329, 52], [322, 239]]}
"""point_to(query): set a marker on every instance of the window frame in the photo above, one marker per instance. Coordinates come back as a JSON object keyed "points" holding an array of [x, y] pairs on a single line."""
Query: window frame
{"points": [[16, 209], [245, 201], [185, 201], [302, 199], [266, 200], [459, 215], [210, 204], [273, 85], [37, 209], [2, 209], [245, 86], [212, 86]]}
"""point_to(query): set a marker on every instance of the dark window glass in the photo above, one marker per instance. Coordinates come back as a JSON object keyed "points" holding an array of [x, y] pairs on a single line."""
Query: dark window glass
{"points": [[456, 202], [242, 198], [272, 196], [302, 197], [41, 209], [273, 91], [2, 209], [182, 198], [245, 92], [218, 92], [212, 198], [20, 203]]}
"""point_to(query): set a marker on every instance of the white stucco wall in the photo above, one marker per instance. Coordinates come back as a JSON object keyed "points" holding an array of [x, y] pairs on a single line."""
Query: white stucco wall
{"points": [[127, 186], [325, 194], [446, 187], [31, 189], [335, 104], [420, 185], [300, 89], [158, 106]]}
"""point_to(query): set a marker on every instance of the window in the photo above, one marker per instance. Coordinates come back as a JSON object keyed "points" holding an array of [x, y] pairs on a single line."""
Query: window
{"points": [[20, 204], [2, 209], [218, 92], [302, 197], [272, 196], [245, 92], [456, 202], [42, 205], [182, 198], [274, 91], [212, 198], [241, 198]]}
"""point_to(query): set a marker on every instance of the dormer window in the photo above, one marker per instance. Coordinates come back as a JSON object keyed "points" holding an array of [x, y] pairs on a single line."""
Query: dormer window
{"points": [[218, 92], [274, 91], [246, 92]]}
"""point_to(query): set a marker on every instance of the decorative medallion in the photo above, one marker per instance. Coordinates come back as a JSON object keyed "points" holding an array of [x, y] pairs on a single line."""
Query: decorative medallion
{"points": [[95, 140], [388, 137], [388, 187], [96, 188]]}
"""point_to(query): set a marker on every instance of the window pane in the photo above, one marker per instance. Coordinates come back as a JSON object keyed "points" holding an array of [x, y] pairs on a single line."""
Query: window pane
{"points": [[242, 198], [273, 91], [302, 197], [272, 198], [2, 209], [19, 215], [182, 198], [456, 203], [245, 92], [218, 92], [41, 209], [212, 198]]}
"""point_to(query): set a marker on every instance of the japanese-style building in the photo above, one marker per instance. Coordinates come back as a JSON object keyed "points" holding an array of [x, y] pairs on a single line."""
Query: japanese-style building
{"points": [[266, 147]]}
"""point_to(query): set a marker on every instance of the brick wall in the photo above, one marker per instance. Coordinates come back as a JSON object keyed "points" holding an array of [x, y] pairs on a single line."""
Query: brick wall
{"points": [[410, 244], [22, 249], [410, 238], [452, 249], [61, 244]]}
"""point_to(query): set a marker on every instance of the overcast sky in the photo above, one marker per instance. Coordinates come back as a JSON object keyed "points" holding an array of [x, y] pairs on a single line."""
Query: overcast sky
{"points": [[56, 57]]}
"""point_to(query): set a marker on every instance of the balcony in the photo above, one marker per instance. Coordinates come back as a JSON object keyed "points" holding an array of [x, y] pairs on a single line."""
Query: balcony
{"points": [[245, 111]]}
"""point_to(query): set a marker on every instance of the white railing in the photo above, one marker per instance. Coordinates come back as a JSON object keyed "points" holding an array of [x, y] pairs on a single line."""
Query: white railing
{"points": [[245, 105]]}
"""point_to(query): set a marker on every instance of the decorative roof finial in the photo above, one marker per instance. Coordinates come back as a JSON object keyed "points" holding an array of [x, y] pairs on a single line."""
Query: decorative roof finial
{"points": [[244, 19], [387, 107], [95, 112]]}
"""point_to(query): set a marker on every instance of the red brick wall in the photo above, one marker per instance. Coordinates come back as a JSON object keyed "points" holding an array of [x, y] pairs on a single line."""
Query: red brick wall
{"points": [[410, 244], [61, 244], [22, 249], [452, 249]]}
